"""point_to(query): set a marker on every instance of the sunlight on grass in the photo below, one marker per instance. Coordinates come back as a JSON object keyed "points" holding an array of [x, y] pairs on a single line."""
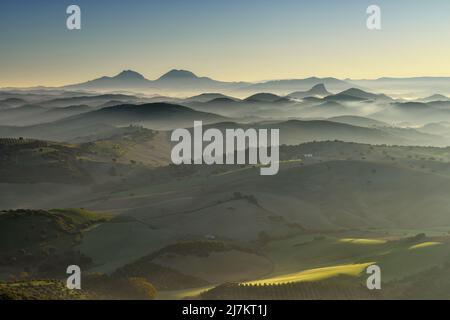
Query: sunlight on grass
{"points": [[316, 274], [363, 241], [424, 245]]}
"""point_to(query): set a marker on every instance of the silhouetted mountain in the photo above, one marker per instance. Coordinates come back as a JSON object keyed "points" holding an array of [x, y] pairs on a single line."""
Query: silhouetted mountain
{"points": [[285, 86], [354, 94], [294, 132], [129, 75], [16, 116], [183, 80], [224, 106], [408, 106], [415, 112], [179, 80], [187, 81], [364, 94], [93, 100], [11, 103], [223, 100], [151, 115], [318, 90], [110, 103], [266, 98], [434, 97], [343, 98], [418, 85], [67, 111], [205, 97], [438, 128], [127, 79], [34, 114], [358, 121], [327, 108], [177, 75]]}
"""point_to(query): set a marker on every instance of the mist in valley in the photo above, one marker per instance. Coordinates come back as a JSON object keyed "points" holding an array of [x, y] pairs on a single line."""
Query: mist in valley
{"points": [[356, 162]]}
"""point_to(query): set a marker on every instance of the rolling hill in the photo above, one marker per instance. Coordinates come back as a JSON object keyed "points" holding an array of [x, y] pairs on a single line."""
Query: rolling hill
{"points": [[418, 113], [152, 115], [354, 94], [358, 121], [266, 98]]}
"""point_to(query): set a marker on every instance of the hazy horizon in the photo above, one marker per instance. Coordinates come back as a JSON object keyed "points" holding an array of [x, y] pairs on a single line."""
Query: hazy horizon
{"points": [[100, 75]]}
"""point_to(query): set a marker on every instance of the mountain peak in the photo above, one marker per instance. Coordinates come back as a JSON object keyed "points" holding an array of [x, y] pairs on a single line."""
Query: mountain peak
{"points": [[175, 74], [435, 97], [129, 74], [319, 89], [351, 91], [265, 97], [361, 94]]}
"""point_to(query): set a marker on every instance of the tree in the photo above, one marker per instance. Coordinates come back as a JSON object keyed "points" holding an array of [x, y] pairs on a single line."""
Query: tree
{"points": [[142, 288]]}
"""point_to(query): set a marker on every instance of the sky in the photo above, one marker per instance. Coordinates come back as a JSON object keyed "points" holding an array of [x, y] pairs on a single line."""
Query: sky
{"points": [[229, 40]]}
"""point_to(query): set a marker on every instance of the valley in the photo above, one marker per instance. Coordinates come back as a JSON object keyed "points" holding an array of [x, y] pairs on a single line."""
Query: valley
{"points": [[87, 178]]}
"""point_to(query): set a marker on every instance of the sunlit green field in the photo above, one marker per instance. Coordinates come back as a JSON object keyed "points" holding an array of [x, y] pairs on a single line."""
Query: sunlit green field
{"points": [[316, 257], [316, 274]]}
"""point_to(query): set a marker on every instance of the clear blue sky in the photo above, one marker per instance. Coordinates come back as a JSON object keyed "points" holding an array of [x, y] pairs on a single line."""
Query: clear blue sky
{"points": [[224, 39]]}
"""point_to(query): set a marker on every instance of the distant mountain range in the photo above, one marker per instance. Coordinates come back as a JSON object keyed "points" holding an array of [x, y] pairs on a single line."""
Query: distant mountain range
{"points": [[183, 80], [413, 86], [179, 80], [434, 97], [298, 84], [186, 82]]}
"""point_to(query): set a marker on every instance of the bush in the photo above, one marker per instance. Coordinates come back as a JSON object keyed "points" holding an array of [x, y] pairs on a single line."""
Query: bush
{"points": [[142, 289]]}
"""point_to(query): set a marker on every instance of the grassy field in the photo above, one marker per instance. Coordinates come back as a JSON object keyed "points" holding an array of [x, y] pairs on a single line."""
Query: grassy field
{"points": [[394, 255], [363, 241], [317, 274], [424, 245], [311, 222], [319, 257]]}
